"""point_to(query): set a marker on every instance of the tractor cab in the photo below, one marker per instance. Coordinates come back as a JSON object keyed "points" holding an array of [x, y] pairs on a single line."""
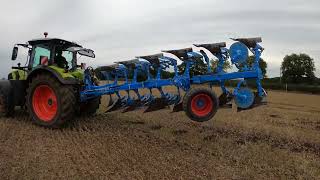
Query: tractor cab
{"points": [[50, 53], [47, 51], [48, 85]]}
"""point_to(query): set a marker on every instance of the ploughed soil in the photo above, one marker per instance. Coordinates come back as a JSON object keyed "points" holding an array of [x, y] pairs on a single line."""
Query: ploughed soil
{"points": [[277, 140]]}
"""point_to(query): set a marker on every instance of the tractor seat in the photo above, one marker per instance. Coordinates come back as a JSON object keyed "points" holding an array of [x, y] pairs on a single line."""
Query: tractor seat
{"points": [[153, 59], [213, 48], [182, 54], [249, 42]]}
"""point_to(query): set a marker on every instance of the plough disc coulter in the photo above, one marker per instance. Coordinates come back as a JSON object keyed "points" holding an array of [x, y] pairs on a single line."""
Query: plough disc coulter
{"points": [[199, 103]]}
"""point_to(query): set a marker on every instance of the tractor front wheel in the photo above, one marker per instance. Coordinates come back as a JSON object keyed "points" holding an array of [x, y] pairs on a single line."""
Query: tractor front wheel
{"points": [[49, 102], [200, 104]]}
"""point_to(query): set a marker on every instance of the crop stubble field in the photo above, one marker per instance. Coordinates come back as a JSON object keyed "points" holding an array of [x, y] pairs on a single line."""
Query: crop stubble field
{"points": [[278, 140]]}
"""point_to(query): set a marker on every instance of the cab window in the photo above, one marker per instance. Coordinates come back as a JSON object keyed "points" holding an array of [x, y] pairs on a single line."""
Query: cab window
{"points": [[69, 56], [40, 54]]}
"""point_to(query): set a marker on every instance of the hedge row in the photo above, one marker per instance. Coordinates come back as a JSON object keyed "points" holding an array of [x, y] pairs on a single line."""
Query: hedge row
{"points": [[271, 85], [314, 89]]}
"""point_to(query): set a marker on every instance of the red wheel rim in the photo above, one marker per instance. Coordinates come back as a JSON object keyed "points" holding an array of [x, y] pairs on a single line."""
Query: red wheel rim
{"points": [[201, 105], [44, 103]]}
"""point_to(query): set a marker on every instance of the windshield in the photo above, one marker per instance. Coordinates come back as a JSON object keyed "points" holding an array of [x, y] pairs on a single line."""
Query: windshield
{"points": [[63, 58]]}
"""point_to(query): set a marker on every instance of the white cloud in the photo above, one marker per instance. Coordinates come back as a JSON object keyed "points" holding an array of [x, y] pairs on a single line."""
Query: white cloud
{"points": [[122, 29]]}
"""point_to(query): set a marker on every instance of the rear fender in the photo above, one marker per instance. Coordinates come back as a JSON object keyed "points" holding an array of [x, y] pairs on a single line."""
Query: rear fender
{"points": [[55, 74]]}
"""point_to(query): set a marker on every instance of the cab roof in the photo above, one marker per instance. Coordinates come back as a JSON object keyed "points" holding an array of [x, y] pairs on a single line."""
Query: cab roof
{"points": [[53, 41]]}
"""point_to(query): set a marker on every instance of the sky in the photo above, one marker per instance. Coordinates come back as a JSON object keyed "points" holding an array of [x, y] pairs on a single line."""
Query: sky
{"points": [[122, 29]]}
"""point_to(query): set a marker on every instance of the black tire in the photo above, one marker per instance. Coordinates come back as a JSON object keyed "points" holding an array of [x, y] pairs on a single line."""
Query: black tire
{"points": [[90, 108], [6, 105], [189, 108], [65, 101]]}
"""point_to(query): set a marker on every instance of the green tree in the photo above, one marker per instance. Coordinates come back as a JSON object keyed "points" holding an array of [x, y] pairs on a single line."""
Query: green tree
{"points": [[164, 74], [214, 64], [199, 68], [298, 69], [263, 65]]}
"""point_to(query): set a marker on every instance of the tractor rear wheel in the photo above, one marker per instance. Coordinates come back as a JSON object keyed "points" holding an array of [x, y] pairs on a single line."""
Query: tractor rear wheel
{"points": [[90, 108], [200, 104], [49, 102]]}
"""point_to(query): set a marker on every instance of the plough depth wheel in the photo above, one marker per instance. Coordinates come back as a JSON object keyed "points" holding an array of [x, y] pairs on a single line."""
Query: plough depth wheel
{"points": [[244, 98], [200, 104]]}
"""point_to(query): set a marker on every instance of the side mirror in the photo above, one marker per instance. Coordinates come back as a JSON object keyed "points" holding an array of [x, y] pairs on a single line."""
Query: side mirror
{"points": [[14, 53], [87, 52]]}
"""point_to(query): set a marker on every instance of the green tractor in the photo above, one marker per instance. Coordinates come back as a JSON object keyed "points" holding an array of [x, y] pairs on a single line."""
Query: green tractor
{"points": [[49, 85]]}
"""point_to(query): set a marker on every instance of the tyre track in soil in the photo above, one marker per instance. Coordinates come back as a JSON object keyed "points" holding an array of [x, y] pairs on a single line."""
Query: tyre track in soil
{"points": [[82, 155], [64, 141], [76, 138], [98, 131], [82, 149], [89, 154], [18, 130], [5, 135], [130, 143], [72, 157], [90, 142], [100, 134], [275, 142], [292, 107], [97, 141]]}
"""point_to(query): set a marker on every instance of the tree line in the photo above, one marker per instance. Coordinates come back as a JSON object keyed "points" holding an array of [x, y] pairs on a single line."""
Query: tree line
{"points": [[298, 68], [295, 69]]}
